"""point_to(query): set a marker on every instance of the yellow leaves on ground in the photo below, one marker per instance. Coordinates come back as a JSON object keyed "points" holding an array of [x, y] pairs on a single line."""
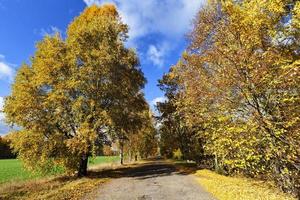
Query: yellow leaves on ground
{"points": [[51, 189], [238, 188], [237, 86]]}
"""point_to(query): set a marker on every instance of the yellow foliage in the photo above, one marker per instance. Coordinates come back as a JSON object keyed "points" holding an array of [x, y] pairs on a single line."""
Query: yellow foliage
{"points": [[238, 86], [74, 92], [239, 188]]}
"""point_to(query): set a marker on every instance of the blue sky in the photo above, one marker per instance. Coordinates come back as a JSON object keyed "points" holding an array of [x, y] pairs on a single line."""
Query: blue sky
{"points": [[157, 29]]}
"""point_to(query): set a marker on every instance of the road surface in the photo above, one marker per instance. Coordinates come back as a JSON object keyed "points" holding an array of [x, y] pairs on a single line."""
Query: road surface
{"points": [[153, 181]]}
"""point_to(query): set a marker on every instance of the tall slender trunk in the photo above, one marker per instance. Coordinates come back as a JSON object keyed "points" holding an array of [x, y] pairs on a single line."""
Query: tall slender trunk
{"points": [[82, 170], [130, 155], [121, 152], [216, 164]]}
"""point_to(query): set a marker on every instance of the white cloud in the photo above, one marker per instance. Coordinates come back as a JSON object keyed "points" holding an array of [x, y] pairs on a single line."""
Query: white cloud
{"points": [[158, 99], [169, 18], [1, 108], [2, 125], [154, 102], [49, 31], [91, 2], [4, 128], [156, 55], [6, 71]]}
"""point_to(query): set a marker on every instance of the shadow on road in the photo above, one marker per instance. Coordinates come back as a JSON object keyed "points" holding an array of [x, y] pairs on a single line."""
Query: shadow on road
{"points": [[144, 171]]}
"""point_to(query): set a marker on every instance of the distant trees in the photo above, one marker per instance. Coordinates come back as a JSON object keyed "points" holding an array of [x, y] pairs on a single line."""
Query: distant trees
{"points": [[144, 142], [75, 91], [174, 133], [128, 118], [5, 150], [238, 87]]}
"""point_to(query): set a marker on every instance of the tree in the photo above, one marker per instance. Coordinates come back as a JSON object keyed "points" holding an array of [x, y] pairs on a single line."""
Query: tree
{"points": [[143, 141], [174, 132], [68, 98], [5, 150], [127, 116], [147, 141], [239, 84]]}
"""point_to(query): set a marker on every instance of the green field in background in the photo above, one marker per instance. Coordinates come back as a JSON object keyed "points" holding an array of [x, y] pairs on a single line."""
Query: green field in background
{"points": [[103, 159], [12, 170]]}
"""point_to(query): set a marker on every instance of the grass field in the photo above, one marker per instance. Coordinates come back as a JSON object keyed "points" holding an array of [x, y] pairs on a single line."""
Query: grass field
{"points": [[12, 170], [103, 159]]}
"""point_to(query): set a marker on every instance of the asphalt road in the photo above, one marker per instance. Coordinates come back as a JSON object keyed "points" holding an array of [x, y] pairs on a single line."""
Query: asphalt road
{"points": [[153, 181]]}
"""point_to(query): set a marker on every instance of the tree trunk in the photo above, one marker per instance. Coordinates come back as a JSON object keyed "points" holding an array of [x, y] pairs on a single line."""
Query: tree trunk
{"points": [[135, 158], [121, 152], [130, 155], [216, 164], [82, 171]]}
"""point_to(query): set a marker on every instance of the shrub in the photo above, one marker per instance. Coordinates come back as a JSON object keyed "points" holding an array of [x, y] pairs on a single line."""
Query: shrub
{"points": [[177, 154]]}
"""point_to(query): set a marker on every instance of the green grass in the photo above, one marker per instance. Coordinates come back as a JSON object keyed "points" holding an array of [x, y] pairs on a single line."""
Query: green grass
{"points": [[12, 170], [103, 159]]}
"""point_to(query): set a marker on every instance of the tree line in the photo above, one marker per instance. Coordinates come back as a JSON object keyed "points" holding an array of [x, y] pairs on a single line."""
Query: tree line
{"points": [[77, 94], [5, 150], [233, 97]]}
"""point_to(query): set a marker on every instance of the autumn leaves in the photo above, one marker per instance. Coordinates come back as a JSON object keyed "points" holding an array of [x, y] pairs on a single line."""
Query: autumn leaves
{"points": [[76, 93], [235, 90]]}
